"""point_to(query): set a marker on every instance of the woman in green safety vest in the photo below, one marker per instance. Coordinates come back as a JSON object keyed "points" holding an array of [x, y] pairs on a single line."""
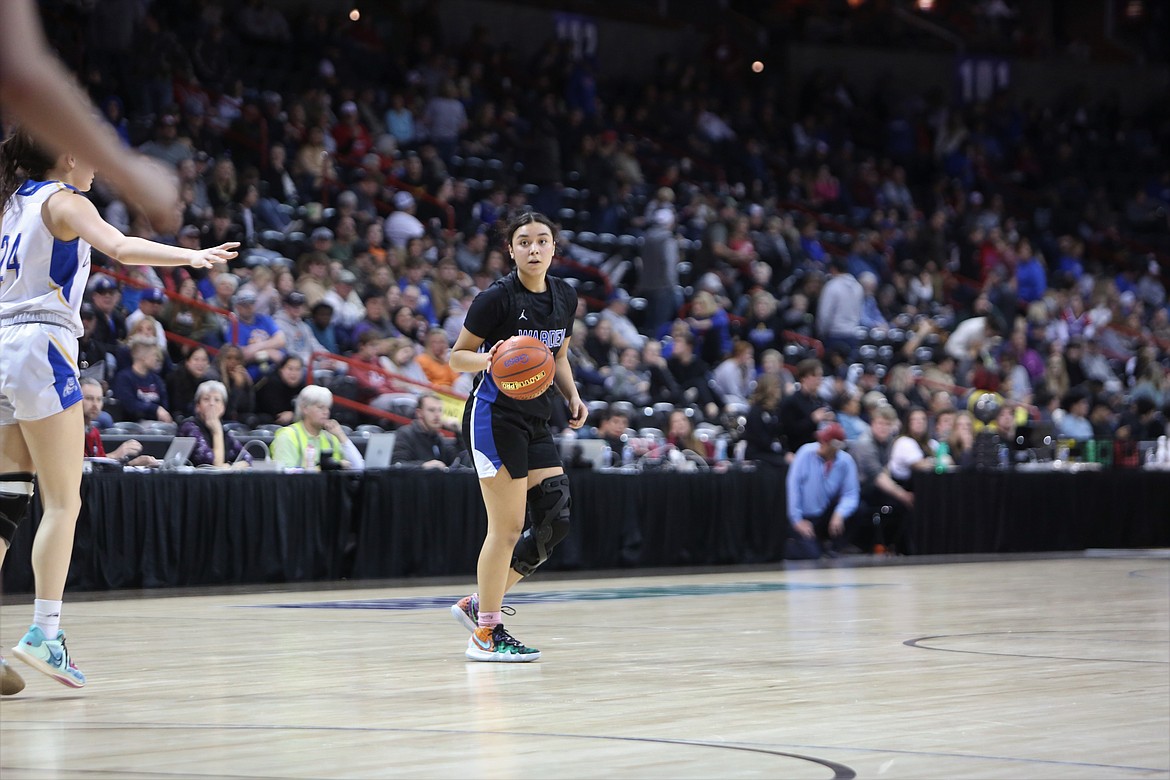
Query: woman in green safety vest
{"points": [[314, 438]]}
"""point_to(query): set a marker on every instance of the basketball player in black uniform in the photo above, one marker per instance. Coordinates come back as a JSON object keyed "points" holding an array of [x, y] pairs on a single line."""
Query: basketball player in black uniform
{"points": [[510, 441]]}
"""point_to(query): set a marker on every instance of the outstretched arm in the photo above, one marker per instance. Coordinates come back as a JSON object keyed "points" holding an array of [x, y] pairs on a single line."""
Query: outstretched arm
{"points": [[37, 89], [69, 216]]}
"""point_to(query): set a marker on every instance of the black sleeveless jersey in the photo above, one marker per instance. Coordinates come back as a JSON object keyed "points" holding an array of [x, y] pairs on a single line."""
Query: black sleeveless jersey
{"points": [[508, 309]]}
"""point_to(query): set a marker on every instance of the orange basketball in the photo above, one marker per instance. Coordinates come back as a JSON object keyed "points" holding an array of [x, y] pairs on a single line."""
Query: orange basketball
{"points": [[523, 367]]}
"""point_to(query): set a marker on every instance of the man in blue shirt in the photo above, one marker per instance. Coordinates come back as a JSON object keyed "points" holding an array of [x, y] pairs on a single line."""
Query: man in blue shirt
{"points": [[823, 491], [257, 334]]}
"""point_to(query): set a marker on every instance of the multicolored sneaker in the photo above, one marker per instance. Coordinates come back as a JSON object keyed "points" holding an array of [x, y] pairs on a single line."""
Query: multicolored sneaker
{"points": [[10, 681], [466, 611], [49, 656], [494, 643]]}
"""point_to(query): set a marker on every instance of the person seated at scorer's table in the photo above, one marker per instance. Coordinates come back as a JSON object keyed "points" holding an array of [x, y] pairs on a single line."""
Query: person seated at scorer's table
{"points": [[421, 443], [315, 441], [128, 452], [213, 445]]}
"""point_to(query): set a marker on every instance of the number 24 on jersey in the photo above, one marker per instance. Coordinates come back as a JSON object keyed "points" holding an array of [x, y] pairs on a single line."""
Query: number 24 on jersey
{"points": [[9, 261]]}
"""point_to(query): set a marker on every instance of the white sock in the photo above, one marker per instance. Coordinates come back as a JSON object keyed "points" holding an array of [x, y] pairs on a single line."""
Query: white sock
{"points": [[47, 617]]}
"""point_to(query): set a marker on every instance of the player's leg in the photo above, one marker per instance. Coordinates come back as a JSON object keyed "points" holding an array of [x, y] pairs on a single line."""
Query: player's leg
{"points": [[549, 502], [16, 482], [56, 444], [16, 488], [503, 497], [500, 499], [15, 495], [546, 505]]}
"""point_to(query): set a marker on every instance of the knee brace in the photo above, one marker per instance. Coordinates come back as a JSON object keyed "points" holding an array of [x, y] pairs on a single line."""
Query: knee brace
{"points": [[548, 507], [16, 490]]}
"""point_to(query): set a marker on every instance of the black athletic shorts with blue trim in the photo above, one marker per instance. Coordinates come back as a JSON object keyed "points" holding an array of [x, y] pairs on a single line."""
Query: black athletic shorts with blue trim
{"points": [[498, 436]]}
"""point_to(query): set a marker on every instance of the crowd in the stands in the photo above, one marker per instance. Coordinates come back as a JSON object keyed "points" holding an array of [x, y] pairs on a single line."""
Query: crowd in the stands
{"points": [[728, 243]]}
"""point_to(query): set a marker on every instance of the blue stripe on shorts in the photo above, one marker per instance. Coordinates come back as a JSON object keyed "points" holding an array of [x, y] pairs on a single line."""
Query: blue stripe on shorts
{"points": [[481, 424], [64, 378]]}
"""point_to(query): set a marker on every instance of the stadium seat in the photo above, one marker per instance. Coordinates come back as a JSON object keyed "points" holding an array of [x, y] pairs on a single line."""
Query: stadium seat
{"points": [[128, 427]]}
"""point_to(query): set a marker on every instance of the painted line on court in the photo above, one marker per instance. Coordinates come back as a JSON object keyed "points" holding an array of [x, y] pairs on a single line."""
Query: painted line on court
{"points": [[1114, 637], [405, 603], [840, 770]]}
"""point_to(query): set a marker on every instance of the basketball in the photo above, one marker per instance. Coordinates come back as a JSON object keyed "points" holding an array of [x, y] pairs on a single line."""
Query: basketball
{"points": [[523, 368]]}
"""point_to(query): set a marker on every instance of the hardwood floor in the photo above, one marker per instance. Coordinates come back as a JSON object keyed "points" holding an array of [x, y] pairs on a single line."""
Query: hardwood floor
{"points": [[1049, 668]]}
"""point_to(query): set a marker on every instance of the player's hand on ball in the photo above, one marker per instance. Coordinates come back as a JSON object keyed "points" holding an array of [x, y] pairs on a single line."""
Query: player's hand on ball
{"points": [[491, 353]]}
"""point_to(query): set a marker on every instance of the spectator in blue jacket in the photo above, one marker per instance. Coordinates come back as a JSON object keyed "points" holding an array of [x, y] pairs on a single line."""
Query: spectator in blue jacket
{"points": [[1031, 275], [823, 491]]}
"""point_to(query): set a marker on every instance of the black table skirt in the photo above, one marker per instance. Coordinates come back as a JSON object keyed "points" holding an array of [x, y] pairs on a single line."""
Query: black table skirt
{"points": [[157, 530], [999, 512]]}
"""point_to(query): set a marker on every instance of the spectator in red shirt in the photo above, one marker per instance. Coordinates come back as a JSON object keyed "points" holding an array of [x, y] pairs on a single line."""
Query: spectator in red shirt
{"points": [[352, 137]]}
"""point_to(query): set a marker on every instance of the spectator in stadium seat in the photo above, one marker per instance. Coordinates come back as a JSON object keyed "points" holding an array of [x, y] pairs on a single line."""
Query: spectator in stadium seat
{"points": [[680, 432], [616, 312], [140, 391], [403, 225], [257, 335], [628, 380], [762, 430], [612, 426], [802, 412], [711, 327], [692, 374], [150, 304], [299, 337], [1074, 423], [276, 393], [241, 400], [111, 322], [764, 326], [735, 377], [434, 361], [99, 356], [192, 371]]}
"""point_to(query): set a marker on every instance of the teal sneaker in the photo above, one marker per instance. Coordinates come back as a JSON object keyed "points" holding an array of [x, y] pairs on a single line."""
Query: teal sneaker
{"points": [[10, 681], [49, 656], [494, 643]]}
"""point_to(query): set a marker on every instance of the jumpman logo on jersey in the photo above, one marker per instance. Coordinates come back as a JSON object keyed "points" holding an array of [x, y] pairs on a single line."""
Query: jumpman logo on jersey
{"points": [[522, 315]]}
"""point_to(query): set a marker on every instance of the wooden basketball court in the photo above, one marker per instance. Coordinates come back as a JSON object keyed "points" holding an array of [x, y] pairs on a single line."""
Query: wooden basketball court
{"points": [[1040, 667]]}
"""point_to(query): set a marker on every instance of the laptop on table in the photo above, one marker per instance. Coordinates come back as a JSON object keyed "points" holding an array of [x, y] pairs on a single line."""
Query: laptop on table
{"points": [[379, 450]]}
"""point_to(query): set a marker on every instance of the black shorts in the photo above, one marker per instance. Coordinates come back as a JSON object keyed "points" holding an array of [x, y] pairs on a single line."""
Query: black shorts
{"points": [[496, 436]]}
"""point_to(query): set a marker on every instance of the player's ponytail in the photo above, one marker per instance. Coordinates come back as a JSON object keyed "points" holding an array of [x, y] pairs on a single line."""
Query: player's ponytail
{"points": [[21, 158]]}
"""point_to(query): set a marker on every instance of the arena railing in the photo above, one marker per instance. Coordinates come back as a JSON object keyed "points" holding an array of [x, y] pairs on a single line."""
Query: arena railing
{"points": [[452, 402], [193, 302]]}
